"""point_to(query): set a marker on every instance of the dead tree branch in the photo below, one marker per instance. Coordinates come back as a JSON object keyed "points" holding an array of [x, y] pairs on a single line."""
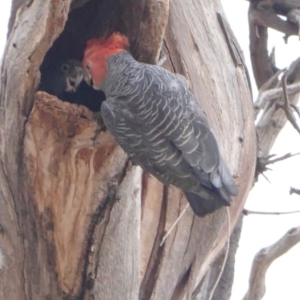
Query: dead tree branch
{"points": [[264, 258], [286, 107], [262, 162], [294, 17], [283, 157], [247, 212], [260, 19], [272, 94], [266, 14], [294, 191], [272, 120]]}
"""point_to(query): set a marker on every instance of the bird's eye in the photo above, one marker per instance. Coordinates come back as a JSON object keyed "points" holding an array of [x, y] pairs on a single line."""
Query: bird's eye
{"points": [[65, 68], [88, 67]]}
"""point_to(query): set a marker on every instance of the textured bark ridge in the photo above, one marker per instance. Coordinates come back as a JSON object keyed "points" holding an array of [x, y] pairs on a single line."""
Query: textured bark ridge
{"points": [[73, 173], [79, 221]]}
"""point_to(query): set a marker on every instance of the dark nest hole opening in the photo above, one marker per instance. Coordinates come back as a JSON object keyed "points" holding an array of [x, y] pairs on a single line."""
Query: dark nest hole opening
{"points": [[86, 20]]}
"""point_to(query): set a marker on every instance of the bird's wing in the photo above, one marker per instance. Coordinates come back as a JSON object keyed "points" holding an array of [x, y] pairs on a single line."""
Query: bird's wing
{"points": [[180, 118], [163, 128], [148, 146], [197, 142]]}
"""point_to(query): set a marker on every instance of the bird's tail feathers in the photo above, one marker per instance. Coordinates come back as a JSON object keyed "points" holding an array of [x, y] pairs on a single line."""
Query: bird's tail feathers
{"points": [[203, 206], [228, 184]]}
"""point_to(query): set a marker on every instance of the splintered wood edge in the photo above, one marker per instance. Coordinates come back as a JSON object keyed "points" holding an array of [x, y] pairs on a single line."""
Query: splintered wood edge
{"points": [[69, 166]]}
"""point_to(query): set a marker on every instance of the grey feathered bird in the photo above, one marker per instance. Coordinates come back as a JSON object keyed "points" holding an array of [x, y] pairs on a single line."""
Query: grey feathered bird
{"points": [[62, 77], [159, 123]]}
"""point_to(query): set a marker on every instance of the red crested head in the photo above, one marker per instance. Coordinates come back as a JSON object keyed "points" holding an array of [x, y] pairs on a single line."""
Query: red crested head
{"points": [[96, 54]]}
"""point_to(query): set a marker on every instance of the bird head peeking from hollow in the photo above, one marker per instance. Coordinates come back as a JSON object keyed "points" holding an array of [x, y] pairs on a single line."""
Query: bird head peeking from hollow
{"points": [[72, 71], [96, 55]]}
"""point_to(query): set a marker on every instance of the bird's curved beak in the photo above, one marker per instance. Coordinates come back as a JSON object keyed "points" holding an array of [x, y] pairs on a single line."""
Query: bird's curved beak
{"points": [[88, 78], [73, 82]]}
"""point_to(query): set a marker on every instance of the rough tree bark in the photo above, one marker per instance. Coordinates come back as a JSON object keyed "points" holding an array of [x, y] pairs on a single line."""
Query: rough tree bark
{"points": [[78, 221]]}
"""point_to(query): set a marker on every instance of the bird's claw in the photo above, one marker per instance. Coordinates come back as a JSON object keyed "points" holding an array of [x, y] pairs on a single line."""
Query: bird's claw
{"points": [[101, 125], [100, 122]]}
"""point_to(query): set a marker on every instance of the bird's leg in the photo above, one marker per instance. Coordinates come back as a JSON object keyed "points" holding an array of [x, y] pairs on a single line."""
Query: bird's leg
{"points": [[100, 122], [101, 125]]}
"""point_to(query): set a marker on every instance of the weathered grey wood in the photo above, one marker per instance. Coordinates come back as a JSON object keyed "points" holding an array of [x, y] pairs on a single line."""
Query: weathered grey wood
{"points": [[262, 15], [224, 288], [119, 252]]}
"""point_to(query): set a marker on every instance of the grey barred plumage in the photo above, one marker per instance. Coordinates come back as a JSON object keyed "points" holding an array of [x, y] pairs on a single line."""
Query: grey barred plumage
{"points": [[159, 123]]}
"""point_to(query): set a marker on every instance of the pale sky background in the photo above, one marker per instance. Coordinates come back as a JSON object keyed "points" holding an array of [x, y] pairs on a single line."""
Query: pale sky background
{"points": [[259, 231]]}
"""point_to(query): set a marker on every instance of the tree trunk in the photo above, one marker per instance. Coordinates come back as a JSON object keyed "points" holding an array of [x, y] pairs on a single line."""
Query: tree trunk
{"points": [[78, 220]]}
